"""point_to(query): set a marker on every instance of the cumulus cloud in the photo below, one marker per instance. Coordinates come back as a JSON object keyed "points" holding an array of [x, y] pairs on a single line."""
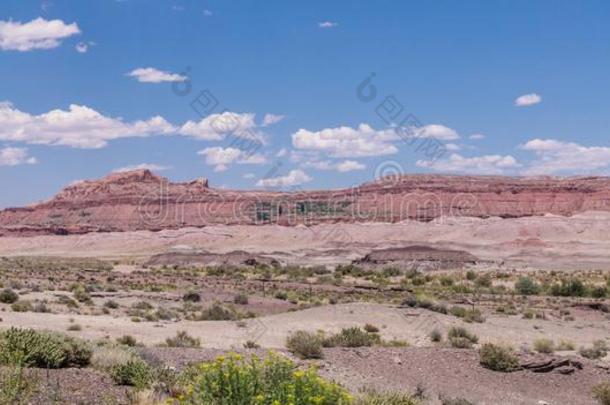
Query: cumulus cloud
{"points": [[36, 34], [293, 178], [347, 141], [440, 132], [270, 119], [344, 166], [327, 24], [527, 100], [488, 164], [152, 75], [350, 165], [221, 158], [557, 157], [78, 127], [148, 166], [16, 156], [215, 127]]}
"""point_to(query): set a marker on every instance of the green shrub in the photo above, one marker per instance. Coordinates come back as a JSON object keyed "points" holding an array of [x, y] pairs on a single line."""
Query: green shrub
{"points": [[135, 372], [598, 350], [456, 401], [569, 288], [111, 304], [498, 358], [484, 280], [22, 306], [527, 286], [436, 335], [458, 311], [251, 344], [598, 292], [352, 337], [191, 296], [474, 315], [182, 339], [281, 295], [241, 299], [8, 296], [30, 348], [127, 340], [446, 281], [305, 345], [217, 313], [16, 386], [274, 380], [544, 345], [81, 294], [461, 338], [565, 345], [386, 398], [371, 328], [601, 392], [105, 357], [469, 315]]}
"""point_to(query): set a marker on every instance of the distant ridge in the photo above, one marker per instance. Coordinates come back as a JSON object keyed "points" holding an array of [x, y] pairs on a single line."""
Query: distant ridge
{"points": [[142, 200]]}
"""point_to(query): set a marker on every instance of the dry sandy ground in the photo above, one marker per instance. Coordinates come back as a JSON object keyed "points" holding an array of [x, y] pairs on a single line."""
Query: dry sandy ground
{"points": [[412, 325], [581, 241], [456, 373], [452, 373]]}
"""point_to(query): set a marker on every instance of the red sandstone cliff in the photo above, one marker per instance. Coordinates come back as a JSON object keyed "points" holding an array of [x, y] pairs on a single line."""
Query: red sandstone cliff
{"points": [[140, 200]]}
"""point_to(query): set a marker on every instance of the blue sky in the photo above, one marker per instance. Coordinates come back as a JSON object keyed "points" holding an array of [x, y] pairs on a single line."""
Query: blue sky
{"points": [[504, 87]]}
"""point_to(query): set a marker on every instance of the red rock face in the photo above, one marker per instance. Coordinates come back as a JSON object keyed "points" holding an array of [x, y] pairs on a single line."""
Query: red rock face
{"points": [[140, 200]]}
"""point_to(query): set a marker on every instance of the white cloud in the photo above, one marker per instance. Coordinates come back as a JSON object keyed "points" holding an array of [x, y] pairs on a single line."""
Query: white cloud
{"points": [[79, 127], [271, 119], [347, 142], [83, 47], [439, 132], [15, 156], [452, 146], [476, 137], [281, 153], [350, 165], [36, 34], [344, 166], [488, 164], [215, 127], [527, 100], [293, 178], [222, 158], [148, 166], [327, 24], [249, 176], [152, 75], [557, 157]]}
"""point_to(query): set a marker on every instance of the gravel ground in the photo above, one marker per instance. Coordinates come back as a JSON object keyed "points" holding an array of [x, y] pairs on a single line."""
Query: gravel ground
{"points": [[75, 386], [456, 373]]}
